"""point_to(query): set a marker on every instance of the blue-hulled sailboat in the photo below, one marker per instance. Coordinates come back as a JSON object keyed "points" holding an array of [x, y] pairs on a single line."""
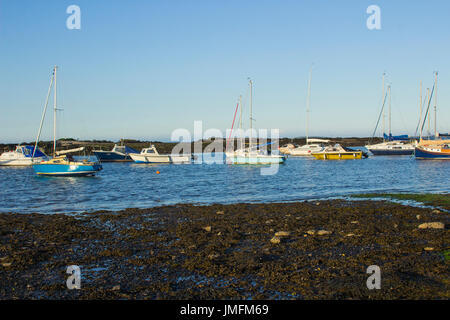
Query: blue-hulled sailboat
{"points": [[62, 163]]}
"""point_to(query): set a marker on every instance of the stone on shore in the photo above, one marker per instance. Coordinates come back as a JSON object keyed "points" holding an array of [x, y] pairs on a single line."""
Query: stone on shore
{"points": [[275, 240], [323, 232], [432, 225], [282, 234], [207, 228]]}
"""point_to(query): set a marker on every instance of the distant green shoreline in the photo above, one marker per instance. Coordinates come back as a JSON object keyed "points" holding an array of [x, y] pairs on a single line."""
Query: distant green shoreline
{"points": [[433, 199]]}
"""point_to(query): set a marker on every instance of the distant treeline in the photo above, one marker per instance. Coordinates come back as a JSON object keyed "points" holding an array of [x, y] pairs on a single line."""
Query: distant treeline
{"points": [[166, 147]]}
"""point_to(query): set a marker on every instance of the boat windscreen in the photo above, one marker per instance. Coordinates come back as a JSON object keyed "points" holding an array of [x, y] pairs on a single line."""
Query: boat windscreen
{"points": [[130, 150]]}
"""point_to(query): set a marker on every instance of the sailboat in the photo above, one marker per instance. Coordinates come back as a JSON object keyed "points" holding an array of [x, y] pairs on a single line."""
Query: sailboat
{"points": [[434, 148], [312, 145], [251, 154], [22, 156], [391, 145], [62, 163]]}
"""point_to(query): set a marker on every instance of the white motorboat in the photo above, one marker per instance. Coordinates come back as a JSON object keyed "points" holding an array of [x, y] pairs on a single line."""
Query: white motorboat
{"points": [[307, 149], [151, 155], [22, 156]]}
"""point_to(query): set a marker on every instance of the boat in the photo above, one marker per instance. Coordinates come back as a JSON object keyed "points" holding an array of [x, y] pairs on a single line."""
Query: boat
{"points": [[436, 147], [391, 145], [119, 153], [433, 150], [312, 145], [338, 152], [22, 156], [62, 163], [391, 148], [251, 154], [286, 149], [151, 155], [309, 148]]}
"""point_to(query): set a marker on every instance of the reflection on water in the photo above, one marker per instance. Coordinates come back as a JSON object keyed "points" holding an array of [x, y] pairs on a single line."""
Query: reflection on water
{"points": [[125, 185]]}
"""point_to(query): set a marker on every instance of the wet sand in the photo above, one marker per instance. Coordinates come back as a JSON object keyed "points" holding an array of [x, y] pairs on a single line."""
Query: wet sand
{"points": [[322, 251]]}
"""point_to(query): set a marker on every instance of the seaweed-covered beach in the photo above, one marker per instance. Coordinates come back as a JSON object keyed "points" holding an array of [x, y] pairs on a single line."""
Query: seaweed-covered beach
{"points": [[303, 250]]}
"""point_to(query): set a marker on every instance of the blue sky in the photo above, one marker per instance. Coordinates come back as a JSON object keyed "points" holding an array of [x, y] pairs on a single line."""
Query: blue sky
{"points": [[140, 69]]}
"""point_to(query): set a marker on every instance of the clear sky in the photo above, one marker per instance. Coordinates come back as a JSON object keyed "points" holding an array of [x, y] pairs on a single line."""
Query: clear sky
{"points": [[140, 69]]}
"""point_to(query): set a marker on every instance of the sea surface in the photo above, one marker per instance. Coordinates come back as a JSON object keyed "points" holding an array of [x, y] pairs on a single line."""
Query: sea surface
{"points": [[130, 185]]}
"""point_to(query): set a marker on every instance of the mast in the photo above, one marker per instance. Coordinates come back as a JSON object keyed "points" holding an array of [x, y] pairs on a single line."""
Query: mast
{"points": [[435, 104], [308, 97], [384, 116], [54, 114], [420, 103], [390, 110], [43, 115], [240, 124], [429, 121], [251, 119]]}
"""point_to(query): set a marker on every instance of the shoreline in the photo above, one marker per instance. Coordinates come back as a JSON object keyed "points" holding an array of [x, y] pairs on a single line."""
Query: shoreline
{"points": [[295, 250]]}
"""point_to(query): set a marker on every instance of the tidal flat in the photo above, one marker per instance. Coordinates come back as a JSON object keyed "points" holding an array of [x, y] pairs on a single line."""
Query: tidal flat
{"points": [[300, 250]]}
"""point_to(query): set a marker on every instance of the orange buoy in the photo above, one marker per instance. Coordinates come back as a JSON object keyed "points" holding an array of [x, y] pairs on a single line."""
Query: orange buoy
{"points": [[157, 172]]}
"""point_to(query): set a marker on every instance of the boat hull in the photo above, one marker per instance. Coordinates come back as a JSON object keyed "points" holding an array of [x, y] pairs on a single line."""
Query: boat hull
{"points": [[76, 169], [390, 152], [110, 156], [338, 155], [19, 162], [255, 160], [423, 154], [142, 158]]}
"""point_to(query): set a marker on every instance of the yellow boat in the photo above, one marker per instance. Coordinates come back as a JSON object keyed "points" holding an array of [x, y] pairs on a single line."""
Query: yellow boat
{"points": [[337, 152]]}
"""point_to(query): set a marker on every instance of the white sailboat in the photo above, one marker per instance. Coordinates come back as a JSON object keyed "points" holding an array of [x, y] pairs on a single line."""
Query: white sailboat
{"points": [[312, 145], [391, 145], [251, 155]]}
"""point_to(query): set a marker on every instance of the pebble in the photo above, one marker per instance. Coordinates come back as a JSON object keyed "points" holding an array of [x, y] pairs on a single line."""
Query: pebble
{"points": [[6, 264], [432, 225], [350, 235], [282, 234], [355, 222], [311, 232], [116, 288], [428, 249], [220, 212], [418, 217], [207, 229], [436, 211], [323, 232], [275, 240]]}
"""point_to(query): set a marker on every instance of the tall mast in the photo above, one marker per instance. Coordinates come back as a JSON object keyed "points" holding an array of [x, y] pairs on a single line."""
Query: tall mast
{"points": [[251, 119], [308, 97], [428, 115], [240, 123], [435, 104], [420, 103], [54, 114], [390, 109], [43, 115]]}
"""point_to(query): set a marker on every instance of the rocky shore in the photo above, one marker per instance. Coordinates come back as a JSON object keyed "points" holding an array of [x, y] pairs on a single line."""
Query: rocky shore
{"points": [[304, 250]]}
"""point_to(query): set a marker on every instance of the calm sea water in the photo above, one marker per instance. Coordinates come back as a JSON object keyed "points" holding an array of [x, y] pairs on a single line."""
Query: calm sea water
{"points": [[129, 185]]}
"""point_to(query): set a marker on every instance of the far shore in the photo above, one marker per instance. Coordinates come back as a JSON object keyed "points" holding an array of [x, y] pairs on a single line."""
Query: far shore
{"points": [[166, 147]]}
